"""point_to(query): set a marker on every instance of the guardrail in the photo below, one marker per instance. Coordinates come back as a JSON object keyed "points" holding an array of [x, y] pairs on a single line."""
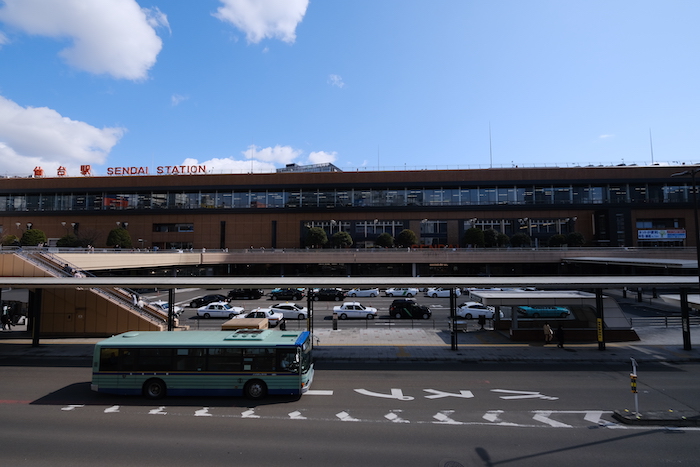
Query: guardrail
{"points": [[664, 321]]}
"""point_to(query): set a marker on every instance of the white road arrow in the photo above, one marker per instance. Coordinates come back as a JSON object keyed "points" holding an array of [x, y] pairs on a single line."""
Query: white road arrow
{"points": [[158, 411], [395, 394], [523, 395], [438, 394], [113, 409]]}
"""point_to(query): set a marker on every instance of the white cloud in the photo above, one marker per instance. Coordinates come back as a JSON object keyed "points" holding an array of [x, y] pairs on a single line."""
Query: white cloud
{"points": [[261, 160], [114, 37], [175, 99], [260, 19], [3, 39], [606, 136], [39, 136], [322, 157], [229, 165], [336, 80], [278, 154]]}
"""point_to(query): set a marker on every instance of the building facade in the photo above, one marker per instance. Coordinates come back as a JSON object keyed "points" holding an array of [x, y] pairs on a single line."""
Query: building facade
{"points": [[609, 206]]}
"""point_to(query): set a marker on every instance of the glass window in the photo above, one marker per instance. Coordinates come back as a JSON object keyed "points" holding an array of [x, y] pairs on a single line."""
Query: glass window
{"points": [[208, 200], [415, 197], [562, 195], [675, 194], [225, 359], [294, 200], [469, 196], [433, 197], [618, 193], [309, 198], [276, 199], [487, 196], [544, 195], [638, 193]]}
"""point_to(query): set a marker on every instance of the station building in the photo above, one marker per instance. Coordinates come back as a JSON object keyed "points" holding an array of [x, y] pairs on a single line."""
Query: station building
{"points": [[622, 206]]}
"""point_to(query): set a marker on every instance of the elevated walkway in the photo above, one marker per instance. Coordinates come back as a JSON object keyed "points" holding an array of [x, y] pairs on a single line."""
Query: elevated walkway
{"points": [[78, 310]]}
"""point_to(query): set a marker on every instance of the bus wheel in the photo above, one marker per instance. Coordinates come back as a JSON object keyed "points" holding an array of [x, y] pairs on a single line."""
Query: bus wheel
{"points": [[255, 389], [154, 389]]}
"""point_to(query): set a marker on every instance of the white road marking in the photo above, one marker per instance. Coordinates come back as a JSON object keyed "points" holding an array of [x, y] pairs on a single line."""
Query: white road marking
{"points": [[523, 395], [158, 411], [393, 417], [395, 394], [73, 407], [443, 418], [344, 416], [203, 412], [318, 392], [250, 413], [113, 409], [543, 416], [296, 415], [438, 394]]}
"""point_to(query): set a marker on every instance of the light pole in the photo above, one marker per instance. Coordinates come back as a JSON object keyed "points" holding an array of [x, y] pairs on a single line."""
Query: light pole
{"points": [[685, 318]]}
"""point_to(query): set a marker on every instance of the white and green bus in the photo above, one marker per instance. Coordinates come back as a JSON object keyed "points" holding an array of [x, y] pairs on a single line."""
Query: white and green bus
{"points": [[249, 362]]}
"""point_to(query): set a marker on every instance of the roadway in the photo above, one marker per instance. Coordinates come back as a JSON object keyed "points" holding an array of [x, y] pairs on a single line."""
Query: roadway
{"points": [[421, 414]]}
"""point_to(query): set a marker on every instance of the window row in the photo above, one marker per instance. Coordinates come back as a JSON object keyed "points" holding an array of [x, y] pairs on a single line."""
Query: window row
{"points": [[319, 198]]}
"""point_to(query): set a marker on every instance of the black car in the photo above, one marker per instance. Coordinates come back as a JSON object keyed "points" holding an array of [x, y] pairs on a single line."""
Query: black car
{"points": [[408, 308], [286, 294], [206, 300], [328, 294], [252, 294]]}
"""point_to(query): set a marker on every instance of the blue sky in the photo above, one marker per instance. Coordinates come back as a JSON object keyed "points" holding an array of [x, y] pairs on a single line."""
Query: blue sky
{"points": [[251, 85]]}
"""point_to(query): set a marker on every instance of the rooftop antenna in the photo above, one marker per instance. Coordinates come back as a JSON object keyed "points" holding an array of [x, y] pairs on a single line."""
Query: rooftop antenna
{"points": [[651, 147], [490, 148]]}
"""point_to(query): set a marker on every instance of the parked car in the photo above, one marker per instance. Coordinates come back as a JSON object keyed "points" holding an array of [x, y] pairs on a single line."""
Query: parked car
{"points": [[354, 310], [328, 294], [291, 310], [408, 308], [401, 292], [363, 293], [469, 310], [436, 292], [164, 306], [219, 310], [252, 294], [273, 318], [543, 311], [286, 294], [207, 299]]}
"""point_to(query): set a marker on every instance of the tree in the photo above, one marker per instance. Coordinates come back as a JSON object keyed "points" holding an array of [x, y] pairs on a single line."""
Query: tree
{"points": [[502, 239], [68, 241], [9, 240], [520, 239], [316, 237], [119, 237], [406, 238], [575, 239], [32, 237], [384, 240], [490, 238], [474, 237], [557, 240], [341, 239]]}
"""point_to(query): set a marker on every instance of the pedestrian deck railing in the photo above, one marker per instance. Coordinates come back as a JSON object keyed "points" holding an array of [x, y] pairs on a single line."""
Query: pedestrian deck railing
{"points": [[663, 321]]}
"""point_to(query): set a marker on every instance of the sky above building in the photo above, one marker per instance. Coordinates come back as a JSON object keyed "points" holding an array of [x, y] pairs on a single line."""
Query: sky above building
{"points": [[253, 85]]}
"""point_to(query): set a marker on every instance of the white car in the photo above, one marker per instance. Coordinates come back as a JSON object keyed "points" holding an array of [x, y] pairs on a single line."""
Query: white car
{"points": [[219, 310], [354, 310], [469, 310], [273, 318], [163, 305], [363, 293], [401, 292], [436, 292], [291, 310]]}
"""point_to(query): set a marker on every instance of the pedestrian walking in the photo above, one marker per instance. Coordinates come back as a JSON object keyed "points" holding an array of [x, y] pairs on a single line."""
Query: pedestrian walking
{"points": [[482, 322], [6, 323], [548, 333], [560, 337]]}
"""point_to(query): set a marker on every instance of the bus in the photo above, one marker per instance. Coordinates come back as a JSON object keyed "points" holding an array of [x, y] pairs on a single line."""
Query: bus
{"points": [[245, 362]]}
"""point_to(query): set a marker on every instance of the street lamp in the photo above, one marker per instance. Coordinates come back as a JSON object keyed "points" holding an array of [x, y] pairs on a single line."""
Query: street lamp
{"points": [[685, 318]]}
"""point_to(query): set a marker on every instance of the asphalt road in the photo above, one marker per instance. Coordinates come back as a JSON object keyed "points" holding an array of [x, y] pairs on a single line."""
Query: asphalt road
{"points": [[390, 415]]}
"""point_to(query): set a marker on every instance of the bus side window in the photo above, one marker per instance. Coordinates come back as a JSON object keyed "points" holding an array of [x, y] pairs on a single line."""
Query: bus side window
{"points": [[288, 361], [109, 359], [190, 359]]}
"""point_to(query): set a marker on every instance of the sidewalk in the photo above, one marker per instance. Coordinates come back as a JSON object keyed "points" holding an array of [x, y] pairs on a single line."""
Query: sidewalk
{"points": [[418, 345]]}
